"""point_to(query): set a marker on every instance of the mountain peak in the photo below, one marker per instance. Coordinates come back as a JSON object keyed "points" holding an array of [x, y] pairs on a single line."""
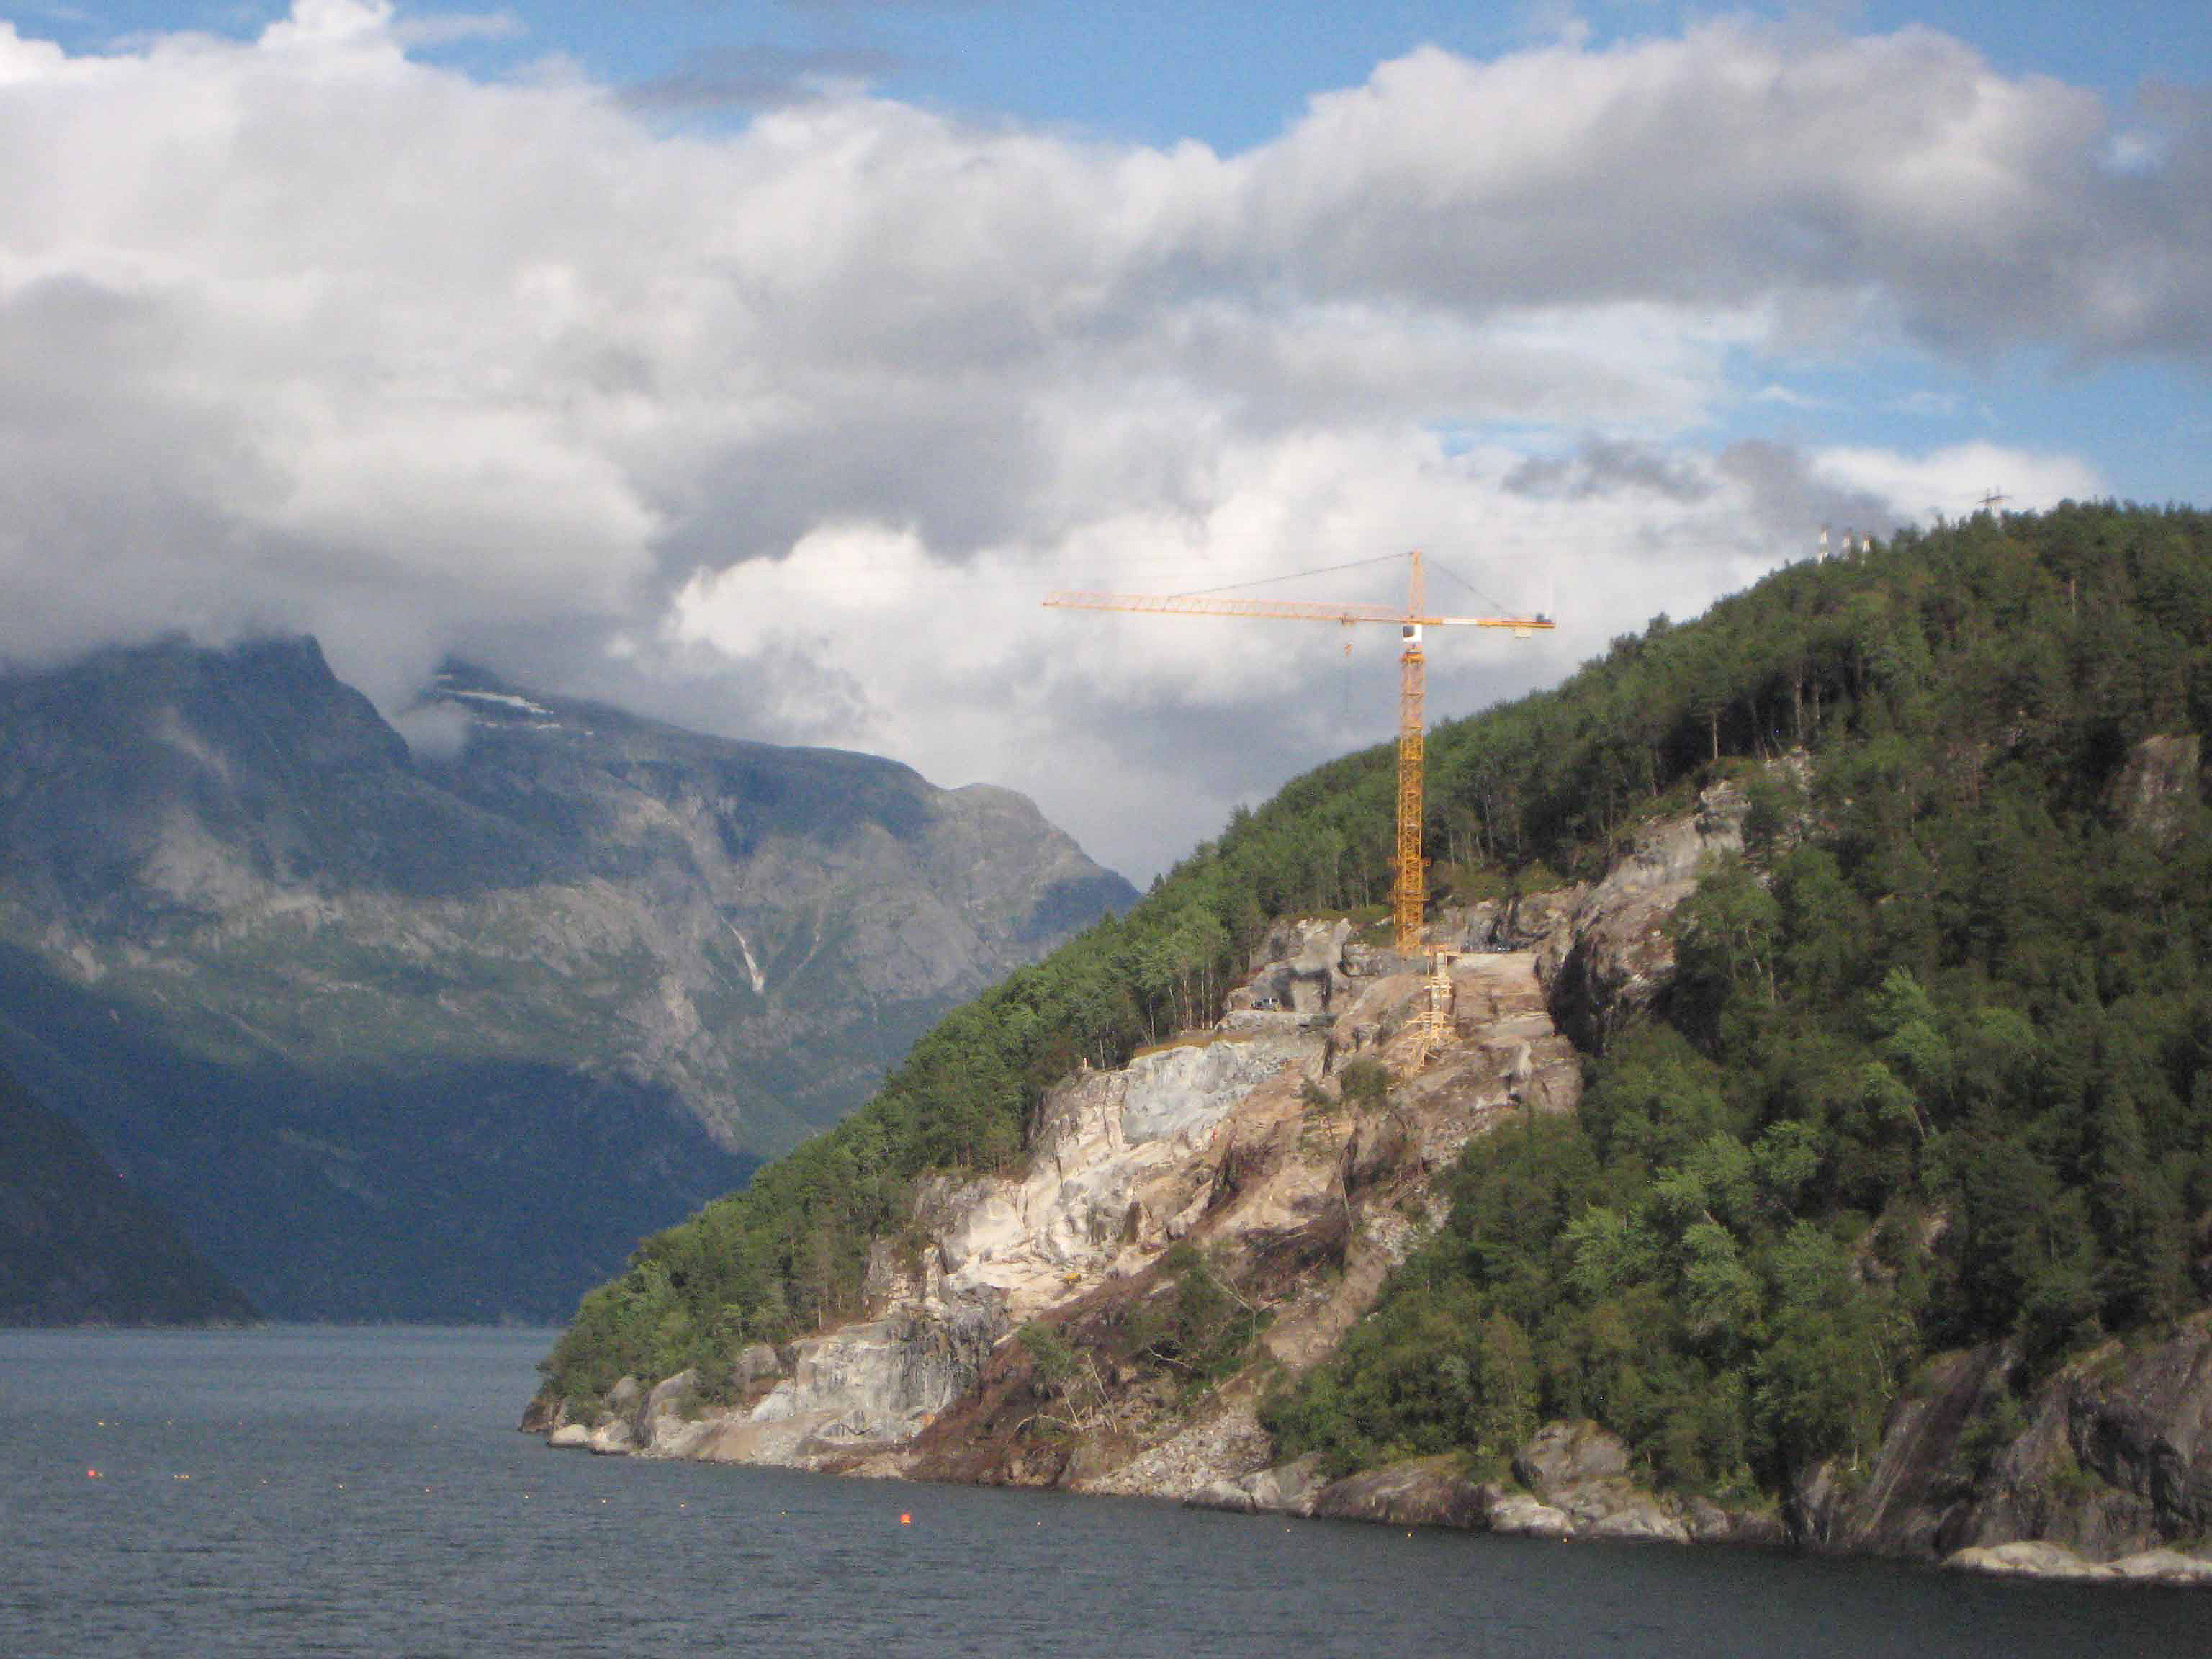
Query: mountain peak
{"points": [[354, 989]]}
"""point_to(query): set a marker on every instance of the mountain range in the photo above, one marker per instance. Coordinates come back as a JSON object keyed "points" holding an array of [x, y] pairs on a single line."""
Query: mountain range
{"points": [[436, 1035]]}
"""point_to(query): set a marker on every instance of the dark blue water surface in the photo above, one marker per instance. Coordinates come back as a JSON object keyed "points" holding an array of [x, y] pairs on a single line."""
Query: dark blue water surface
{"points": [[364, 1491]]}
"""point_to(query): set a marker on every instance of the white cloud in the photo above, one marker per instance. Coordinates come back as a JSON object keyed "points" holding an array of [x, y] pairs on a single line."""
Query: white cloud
{"points": [[1927, 403], [1789, 398], [1950, 483], [785, 430], [449, 28]]}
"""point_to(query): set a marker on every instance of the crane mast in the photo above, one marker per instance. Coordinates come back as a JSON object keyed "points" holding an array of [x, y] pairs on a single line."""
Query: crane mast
{"points": [[1409, 888]]}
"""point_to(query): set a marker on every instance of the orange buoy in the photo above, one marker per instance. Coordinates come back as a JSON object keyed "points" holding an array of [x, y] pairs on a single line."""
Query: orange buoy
{"points": [[905, 1520]]}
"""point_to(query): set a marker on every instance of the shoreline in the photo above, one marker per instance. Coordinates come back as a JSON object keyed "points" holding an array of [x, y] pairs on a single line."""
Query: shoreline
{"points": [[1578, 1494]]}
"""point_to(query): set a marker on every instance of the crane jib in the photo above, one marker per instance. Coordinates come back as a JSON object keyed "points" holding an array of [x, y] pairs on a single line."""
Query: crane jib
{"points": [[1409, 895], [1283, 611]]}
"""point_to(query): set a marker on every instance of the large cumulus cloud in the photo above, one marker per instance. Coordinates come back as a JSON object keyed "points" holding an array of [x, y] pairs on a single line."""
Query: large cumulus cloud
{"points": [[783, 431]]}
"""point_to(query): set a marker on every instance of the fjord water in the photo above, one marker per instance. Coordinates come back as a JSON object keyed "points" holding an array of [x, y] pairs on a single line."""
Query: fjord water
{"points": [[364, 1491]]}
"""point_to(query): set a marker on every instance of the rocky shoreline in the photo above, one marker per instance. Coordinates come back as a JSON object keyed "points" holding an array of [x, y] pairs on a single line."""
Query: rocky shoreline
{"points": [[1571, 1481]]}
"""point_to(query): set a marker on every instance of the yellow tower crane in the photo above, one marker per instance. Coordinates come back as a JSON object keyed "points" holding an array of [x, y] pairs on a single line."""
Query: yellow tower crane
{"points": [[1409, 891]]}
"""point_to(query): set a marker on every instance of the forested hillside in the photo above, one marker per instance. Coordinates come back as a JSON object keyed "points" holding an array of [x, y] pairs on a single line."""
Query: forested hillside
{"points": [[1936, 1068], [1937, 1065]]}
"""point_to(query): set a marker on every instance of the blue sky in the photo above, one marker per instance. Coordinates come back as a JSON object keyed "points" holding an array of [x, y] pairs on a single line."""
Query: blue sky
{"points": [[760, 365], [1151, 71]]}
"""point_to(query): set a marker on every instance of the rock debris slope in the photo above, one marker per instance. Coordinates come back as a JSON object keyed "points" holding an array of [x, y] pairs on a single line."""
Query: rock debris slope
{"points": [[1239, 1143]]}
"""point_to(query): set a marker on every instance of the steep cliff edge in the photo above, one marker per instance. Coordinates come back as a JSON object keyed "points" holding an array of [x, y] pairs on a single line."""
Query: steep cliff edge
{"points": [[2100, 1466], [1227, 1204]]}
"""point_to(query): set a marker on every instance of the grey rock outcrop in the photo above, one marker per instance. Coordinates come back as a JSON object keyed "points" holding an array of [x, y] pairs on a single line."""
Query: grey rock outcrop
{"points": [[1576, 1477], [1912, 1489], [1429, 1491], [1517, 1515], [1298, 969], [1613, 954], [1216, 1460], [755, 1363], [881, 1380], [1524, 921], [1284, 1489], [668, 1420], [2034, 1558], [2156, 793], [2114, 1462], [1566, 1455], [1581, 1472]]}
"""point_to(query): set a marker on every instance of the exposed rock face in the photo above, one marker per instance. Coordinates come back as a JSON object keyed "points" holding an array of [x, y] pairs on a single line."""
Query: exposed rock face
{"points": [[882, 1380], [1516, 1515], [1612, 955], [2115, 1462], [1121, 1168], [1286, 1489], [1523, 922], [1581, 1471], [1219, 1461], [1574, 1483], [2156, 793], [1431, 1491], [1232, 1140], [1564, 1456], [2035, 1559], [1298, 969], [1914, 1484], [755, 1362]]}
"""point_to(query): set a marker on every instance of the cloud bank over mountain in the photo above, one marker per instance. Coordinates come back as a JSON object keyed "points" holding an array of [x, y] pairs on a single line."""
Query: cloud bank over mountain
{"points": [[783, 430]]}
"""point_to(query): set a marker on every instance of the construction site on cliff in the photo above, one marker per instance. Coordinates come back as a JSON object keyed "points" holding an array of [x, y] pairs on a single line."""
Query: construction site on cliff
{"points": [[1409, 888]]}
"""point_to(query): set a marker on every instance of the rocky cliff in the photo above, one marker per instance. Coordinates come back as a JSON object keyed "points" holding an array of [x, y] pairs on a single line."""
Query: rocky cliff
{"points": [[1228, 1205], [356, 1012], [2101, 1470]]}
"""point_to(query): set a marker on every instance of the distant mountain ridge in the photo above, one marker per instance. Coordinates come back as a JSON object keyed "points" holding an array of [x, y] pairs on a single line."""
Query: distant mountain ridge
{"points": [[424, 1035], [78, 1246]]}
